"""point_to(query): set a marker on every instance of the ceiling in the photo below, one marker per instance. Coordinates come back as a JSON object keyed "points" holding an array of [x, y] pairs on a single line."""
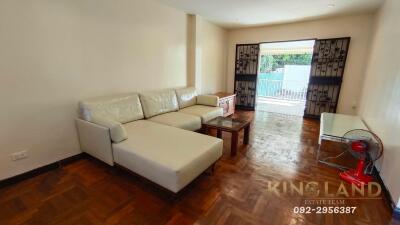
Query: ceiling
{"points": [[245, 13]]}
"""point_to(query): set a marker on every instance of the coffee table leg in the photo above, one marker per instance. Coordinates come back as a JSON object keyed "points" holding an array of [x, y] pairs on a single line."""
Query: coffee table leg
{"points": [[246, 135], [234, 143], [219, 133]]}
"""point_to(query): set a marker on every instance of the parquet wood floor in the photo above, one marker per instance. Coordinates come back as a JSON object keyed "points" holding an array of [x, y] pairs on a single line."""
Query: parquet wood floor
{"points": [[282, 148]]}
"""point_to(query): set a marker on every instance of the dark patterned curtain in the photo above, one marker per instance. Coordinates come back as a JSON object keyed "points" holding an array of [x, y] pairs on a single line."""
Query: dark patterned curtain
{"points": [[246, 69], [326, 75]]}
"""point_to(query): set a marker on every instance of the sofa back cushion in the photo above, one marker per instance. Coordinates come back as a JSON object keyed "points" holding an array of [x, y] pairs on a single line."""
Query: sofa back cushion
{"points": [[121, 108], [159, 102], [186, 97]]}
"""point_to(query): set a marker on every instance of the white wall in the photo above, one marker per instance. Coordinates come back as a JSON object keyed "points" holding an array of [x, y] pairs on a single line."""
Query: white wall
{"points": [[54, 53], [207, 55], [380, 101], [213, 61], [358, 27], [295, 77], [191, 50]]}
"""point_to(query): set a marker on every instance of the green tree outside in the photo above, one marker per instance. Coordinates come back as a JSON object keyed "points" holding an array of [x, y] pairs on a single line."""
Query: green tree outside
{"points": [[270, 63]]}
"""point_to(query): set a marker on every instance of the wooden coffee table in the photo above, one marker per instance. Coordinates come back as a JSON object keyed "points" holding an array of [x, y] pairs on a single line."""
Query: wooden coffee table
{"points": [[233, 126]]}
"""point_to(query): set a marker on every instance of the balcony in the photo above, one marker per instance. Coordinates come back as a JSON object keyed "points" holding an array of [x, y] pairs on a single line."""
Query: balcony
{"points": [[281, 96]]}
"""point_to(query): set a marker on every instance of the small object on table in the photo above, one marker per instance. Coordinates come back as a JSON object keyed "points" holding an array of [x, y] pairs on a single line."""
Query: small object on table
{"points": [[233, 126], [332, 128], [227, 102]]}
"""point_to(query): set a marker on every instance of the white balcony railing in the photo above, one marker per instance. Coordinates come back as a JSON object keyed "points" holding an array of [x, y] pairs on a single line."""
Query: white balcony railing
{"points": [[282, 89]]}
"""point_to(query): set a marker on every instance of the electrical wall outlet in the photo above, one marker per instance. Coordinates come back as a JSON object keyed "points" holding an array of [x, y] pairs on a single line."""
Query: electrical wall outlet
{"points": [[19, 155]]}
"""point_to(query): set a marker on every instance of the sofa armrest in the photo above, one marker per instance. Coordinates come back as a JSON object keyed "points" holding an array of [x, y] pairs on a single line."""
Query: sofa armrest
{"points": [[117, 131], [210, 100], [95, 140]]}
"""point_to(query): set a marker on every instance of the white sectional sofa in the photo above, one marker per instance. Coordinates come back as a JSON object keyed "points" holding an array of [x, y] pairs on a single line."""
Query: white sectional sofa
{"points": [[152, 134]]}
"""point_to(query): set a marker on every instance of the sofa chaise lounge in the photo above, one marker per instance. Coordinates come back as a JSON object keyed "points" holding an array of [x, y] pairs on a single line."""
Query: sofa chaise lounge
{"points": [[152, 134]]}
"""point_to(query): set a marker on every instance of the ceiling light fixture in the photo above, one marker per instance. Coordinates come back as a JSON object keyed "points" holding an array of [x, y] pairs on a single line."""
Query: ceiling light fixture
{"points": [[331, 5]]}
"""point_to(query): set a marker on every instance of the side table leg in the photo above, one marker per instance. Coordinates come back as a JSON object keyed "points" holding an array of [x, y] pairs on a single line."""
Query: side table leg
{"points": [[246, 135], [234, 143]]}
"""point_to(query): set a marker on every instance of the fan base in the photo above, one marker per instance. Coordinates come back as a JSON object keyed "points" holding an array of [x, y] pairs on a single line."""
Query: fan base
{"points": [[353, 177]]}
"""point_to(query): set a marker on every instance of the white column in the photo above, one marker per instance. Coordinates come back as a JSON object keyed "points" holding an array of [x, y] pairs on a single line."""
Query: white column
{"points": [[194, 52]]}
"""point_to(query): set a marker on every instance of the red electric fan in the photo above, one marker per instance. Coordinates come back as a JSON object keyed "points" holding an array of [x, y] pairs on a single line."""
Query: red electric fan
{"points": [[367, 147]]}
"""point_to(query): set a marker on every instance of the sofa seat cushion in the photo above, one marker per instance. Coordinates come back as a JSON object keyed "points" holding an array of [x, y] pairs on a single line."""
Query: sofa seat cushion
{"points": [[180, 120], [168, 156], [206, 113]]}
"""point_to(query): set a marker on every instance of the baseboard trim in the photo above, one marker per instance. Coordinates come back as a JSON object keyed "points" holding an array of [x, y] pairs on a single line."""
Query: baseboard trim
{"points": [[35, 172], [388, 196], [396, 213]]}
